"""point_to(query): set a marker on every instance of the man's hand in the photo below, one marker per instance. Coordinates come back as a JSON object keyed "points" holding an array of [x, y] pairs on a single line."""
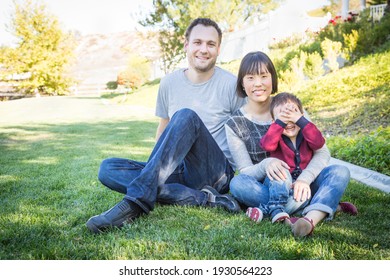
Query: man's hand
{"points": [[302, 191]]}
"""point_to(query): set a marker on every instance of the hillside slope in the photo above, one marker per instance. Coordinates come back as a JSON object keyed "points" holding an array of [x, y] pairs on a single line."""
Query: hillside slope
{"points": [[355, 99], [100, 57]]}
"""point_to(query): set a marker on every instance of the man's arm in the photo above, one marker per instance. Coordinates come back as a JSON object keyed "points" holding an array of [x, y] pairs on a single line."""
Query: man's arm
{"points": [[161, 127]]}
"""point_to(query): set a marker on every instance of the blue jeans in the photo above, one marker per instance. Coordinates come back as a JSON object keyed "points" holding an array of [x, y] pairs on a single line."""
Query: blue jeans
{"points": [[184, 159], [279, 193], [327, 190]]}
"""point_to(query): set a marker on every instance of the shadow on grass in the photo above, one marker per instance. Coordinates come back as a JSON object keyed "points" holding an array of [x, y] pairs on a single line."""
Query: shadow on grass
{"points": [[48, 176], [113, 95], [83, 97]]}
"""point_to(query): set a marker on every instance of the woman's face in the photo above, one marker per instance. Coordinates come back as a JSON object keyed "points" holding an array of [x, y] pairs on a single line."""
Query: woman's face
{"points": [[258, 87]]}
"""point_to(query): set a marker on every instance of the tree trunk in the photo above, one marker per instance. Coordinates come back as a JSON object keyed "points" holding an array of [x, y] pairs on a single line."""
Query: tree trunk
{"points": [[344, 9], [362, 5]]}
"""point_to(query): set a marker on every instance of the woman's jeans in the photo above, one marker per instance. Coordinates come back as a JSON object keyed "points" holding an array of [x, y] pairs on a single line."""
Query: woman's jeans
{"points": [[184, 159], [327, 190]]}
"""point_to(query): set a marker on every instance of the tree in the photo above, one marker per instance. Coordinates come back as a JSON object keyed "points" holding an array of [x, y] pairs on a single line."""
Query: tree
{"points": [[42, 51], [172, 17]]}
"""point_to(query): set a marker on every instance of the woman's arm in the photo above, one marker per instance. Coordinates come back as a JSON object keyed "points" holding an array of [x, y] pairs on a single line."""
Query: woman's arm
{"points": [[241, 156], [271, 167], [311, 133], [319, 161]]}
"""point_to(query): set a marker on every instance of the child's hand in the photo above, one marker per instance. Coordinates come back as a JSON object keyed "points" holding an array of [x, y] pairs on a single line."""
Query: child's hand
{"points": [[289, 113]]}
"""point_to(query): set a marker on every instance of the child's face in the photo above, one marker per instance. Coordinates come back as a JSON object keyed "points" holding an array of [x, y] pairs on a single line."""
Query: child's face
{"points": [[291, 130], [258, 87]]}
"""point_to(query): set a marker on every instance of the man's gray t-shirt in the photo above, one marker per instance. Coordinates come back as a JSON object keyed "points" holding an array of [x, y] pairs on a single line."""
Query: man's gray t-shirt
{"points": [[214, 101]]}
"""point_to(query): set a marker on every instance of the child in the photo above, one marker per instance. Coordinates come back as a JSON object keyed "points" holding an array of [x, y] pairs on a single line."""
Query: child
{"points": [[291, 138]]}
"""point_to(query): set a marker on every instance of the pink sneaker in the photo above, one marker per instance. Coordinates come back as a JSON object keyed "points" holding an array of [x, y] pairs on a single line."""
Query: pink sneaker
{"points": [[347, 207], [255, 214]]}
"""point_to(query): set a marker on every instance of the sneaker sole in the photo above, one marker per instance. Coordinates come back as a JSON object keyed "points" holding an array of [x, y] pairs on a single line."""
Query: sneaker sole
{"points": [[302, 228], [280, 217], [91, 226], [236, 208]]}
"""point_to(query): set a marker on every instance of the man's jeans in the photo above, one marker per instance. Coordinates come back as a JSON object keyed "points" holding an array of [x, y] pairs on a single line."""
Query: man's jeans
{"points": [[327, 190], [184, 159]]}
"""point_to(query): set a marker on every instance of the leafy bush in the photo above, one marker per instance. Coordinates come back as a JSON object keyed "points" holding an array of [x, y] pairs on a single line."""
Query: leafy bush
{"points": [[369, 35], [350, 44], [112, 85], [297, 65], [373, 35], [358, 37], [136, 73], [232, 66], [314, 46], [289, 81], [337, 27], [331, 50], [301, 67], [313, 65], [282, 62], [370, 151]]}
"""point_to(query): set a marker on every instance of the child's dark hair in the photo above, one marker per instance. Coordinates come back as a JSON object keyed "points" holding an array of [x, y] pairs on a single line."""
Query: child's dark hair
{"points": [[283, 98], [254, 63], [206, 22]]}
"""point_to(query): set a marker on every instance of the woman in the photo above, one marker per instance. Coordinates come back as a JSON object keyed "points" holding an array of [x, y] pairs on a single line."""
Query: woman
{"points": [[257, 80]]}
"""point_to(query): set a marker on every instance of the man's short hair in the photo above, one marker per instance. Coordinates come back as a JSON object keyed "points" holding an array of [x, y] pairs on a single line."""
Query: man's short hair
{"points": [[206, 22]]}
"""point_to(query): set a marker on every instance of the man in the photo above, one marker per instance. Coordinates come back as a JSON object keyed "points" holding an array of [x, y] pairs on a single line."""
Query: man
{"points": [[189, 164]]}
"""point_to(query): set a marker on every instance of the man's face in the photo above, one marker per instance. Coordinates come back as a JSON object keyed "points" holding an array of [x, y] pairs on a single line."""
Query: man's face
{"points": [[202, 48]]}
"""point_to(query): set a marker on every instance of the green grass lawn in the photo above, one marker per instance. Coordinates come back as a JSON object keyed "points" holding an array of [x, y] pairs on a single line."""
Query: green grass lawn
{"points": [[49, 190], [49, 186]]}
